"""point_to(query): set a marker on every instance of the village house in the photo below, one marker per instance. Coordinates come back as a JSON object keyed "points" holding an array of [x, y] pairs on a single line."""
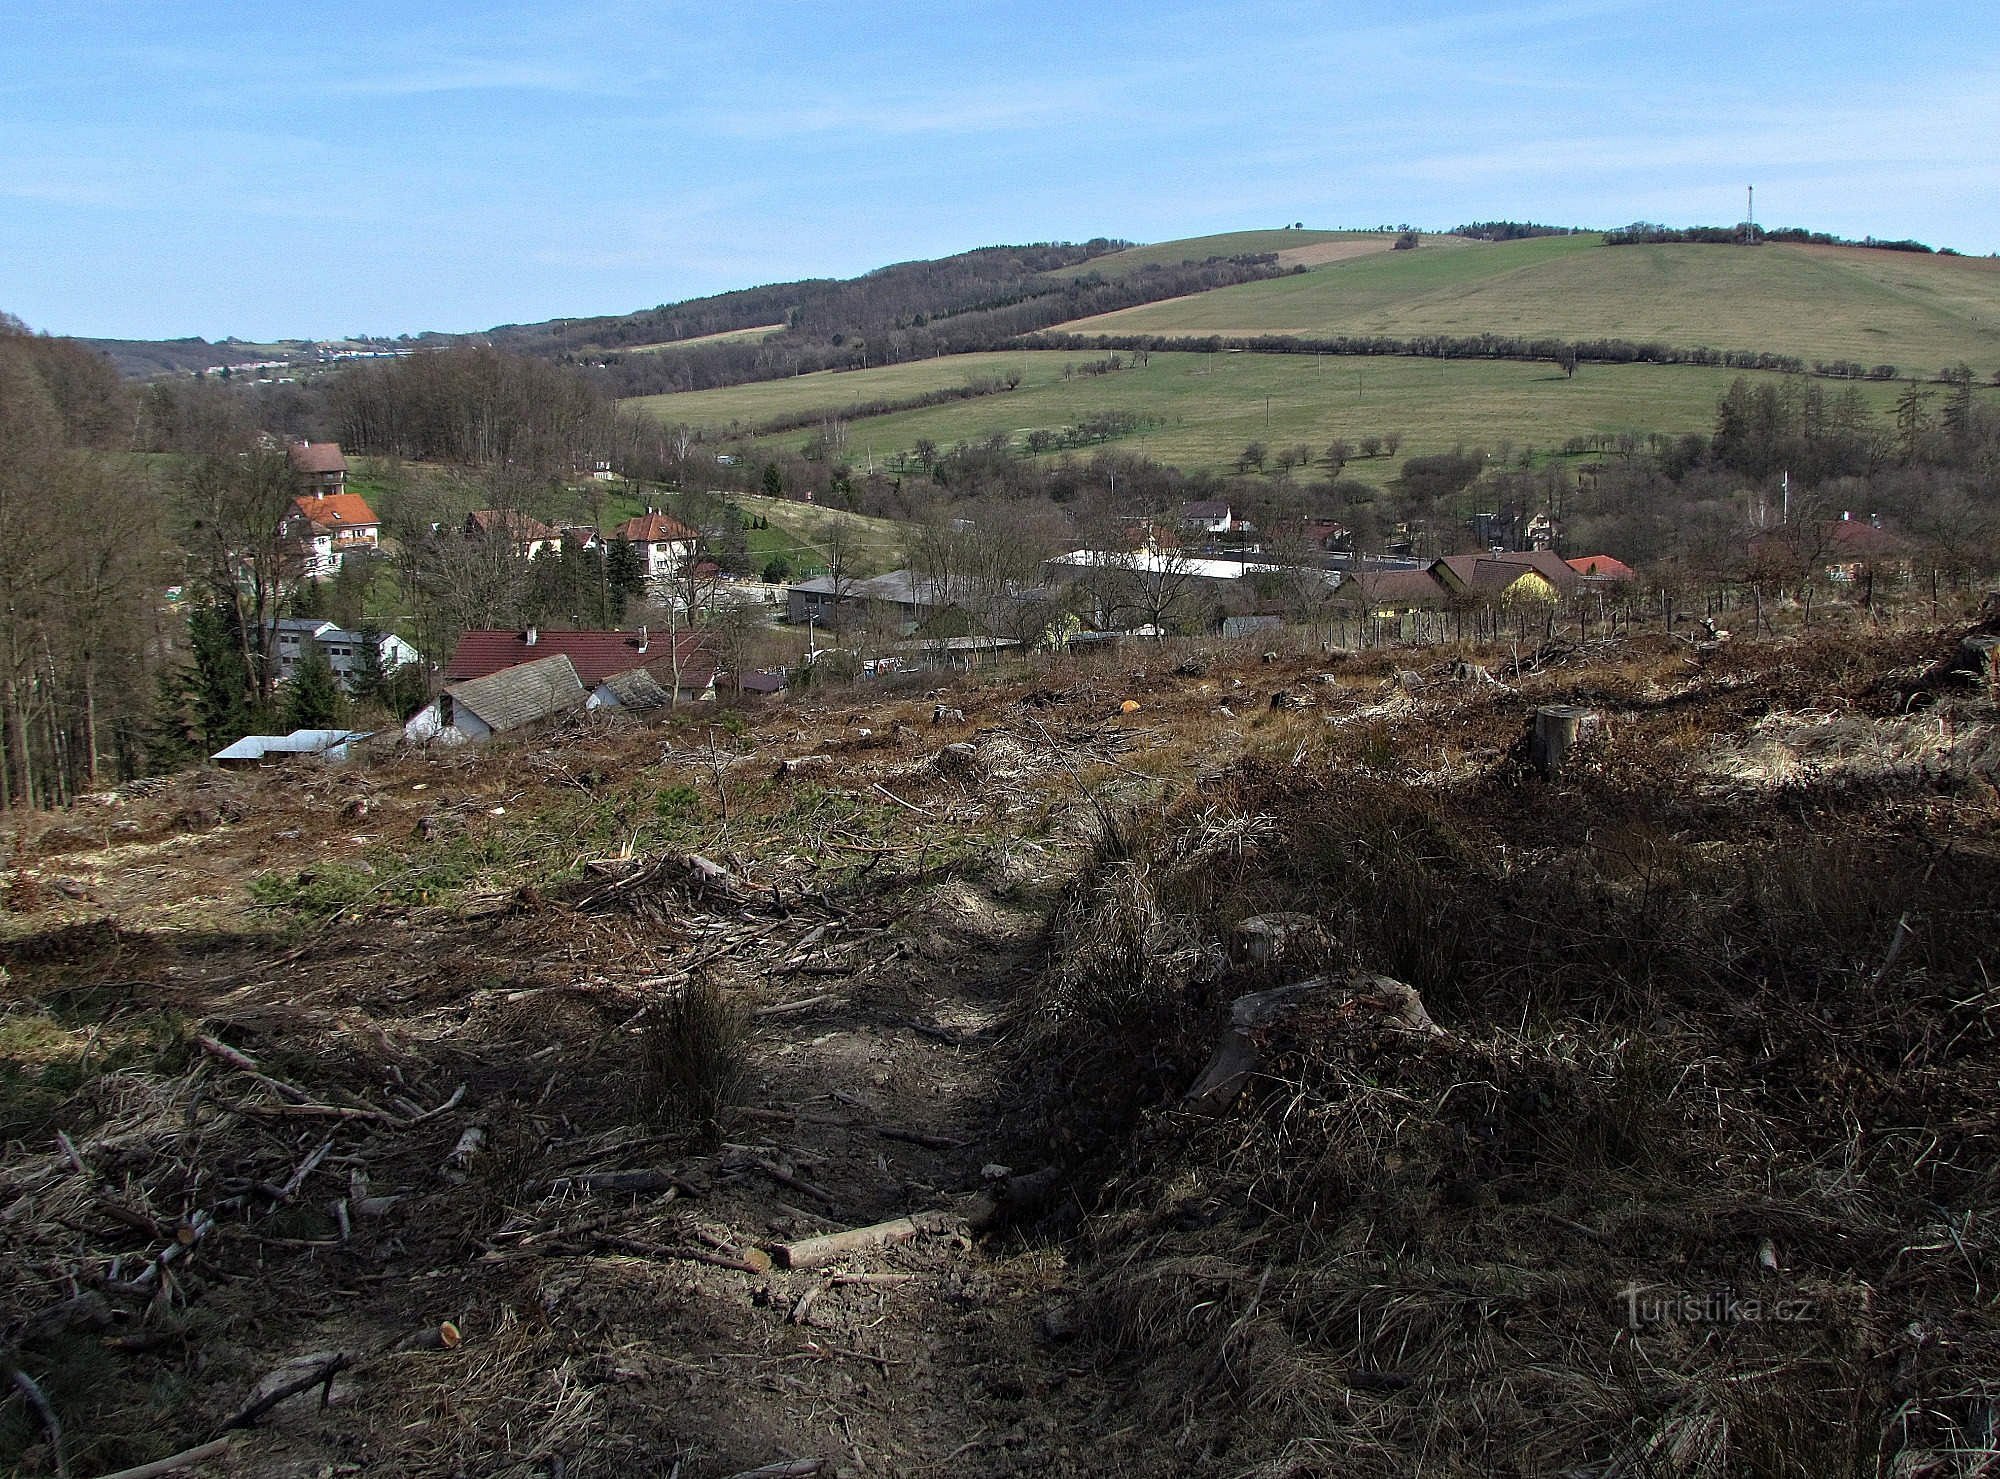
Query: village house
{"points": [[1506, 577], [346, 651], [1844, 550], [681, 663], [634, 691], [1210, 516], [1601, 568], [902, 597], [525, 534], [513, 698], [319, 466], [329, 527], [1396, 595], [664, 544]]}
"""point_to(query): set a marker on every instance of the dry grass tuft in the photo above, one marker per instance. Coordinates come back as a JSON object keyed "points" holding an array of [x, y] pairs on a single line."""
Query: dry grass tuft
{"points": [[692, 1058]]}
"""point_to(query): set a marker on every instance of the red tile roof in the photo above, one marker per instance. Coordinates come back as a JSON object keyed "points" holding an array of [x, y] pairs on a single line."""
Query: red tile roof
{"points": [[654, 528], [337, 511], [317, 457], [522, 528], [597, 655], [1603, 567]]}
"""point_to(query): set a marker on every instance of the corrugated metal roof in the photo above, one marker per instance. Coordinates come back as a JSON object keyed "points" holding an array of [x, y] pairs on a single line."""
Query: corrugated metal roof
{"points": [[298, 742]]}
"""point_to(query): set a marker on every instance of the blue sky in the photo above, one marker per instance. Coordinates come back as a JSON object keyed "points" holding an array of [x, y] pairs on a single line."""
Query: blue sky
{"points": [[269, 170]]}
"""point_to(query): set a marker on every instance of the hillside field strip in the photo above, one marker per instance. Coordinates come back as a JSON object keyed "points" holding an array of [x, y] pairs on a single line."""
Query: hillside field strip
{"points": [[1199, 410], [727, 336], [798, 531], [1293, 248], [1917, 312]]}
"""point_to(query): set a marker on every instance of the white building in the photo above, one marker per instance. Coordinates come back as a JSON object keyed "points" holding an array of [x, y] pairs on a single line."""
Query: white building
{"points": [[344, 649], [664, 544]]}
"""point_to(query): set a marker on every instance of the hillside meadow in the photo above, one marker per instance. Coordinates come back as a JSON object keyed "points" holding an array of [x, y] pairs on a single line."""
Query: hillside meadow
{"points": [[1199, 410], [1292, 248], [1919, 313]]}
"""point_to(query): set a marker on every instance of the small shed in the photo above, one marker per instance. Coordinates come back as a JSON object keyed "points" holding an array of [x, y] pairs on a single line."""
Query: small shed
{"points": [[332, 746]]}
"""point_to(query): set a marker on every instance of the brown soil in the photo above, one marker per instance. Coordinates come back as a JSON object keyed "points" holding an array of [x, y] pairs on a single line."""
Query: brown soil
{"points": [[510, 923]]}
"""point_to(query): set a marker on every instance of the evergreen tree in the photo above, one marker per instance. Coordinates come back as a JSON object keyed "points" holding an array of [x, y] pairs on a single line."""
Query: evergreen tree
{"points": [[624, 574], [220, 683], [312, 698], [169, 740], [366, 678]]}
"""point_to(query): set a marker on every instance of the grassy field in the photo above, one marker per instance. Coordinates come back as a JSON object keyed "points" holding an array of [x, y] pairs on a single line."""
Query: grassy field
{"points": [[1920, 313], [833, 391], [727, 336], [1201, 409], [798, 531], [878, 543]]}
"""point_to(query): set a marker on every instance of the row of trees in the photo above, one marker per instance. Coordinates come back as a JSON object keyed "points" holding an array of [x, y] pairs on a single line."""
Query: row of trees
{"points": [[81, 566]]}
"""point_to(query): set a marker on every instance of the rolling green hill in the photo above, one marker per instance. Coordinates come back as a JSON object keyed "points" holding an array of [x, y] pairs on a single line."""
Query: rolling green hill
{"points": [[1821, 303], [1199, 410]]}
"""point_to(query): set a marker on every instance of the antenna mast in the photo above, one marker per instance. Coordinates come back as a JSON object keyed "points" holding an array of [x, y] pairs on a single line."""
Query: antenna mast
{"points": [[1750, 220]]}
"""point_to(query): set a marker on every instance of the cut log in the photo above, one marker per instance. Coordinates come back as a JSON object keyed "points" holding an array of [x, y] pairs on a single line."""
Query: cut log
{"points": [[804, 766], [812, 1252], [1557, 728]]}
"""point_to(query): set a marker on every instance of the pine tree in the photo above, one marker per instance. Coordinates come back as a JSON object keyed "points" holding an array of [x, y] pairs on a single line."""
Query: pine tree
{"points": [[169, 740], [366, 679], [624, 574], [312, 698], [220, 683]]}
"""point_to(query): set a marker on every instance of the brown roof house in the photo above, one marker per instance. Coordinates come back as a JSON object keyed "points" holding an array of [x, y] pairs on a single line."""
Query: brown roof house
{"points": [[664, 544], [1843, 549], [320, 467], [519, 697], [1506, 575], [527, 535]]}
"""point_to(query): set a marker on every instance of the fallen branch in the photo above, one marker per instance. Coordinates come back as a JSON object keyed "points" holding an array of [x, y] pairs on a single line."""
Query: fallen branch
{"points": [[51, 1424], [244, 1063], [804, 1003], [785, 1178], [186, 1458], [322, 1373]]}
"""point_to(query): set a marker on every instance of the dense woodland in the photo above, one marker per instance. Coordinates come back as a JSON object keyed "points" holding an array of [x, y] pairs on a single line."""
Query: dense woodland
{"points": [[894, 327]]}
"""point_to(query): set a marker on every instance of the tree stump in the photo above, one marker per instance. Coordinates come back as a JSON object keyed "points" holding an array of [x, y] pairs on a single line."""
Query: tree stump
{"points": [[1556, 730], [1980, 656]]}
